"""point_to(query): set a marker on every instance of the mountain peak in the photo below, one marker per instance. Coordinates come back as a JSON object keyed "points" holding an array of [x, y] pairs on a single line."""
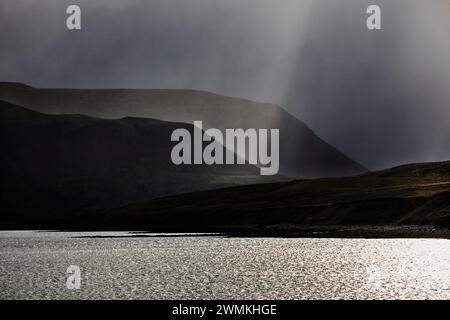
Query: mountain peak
{"points": [[302, 153]]}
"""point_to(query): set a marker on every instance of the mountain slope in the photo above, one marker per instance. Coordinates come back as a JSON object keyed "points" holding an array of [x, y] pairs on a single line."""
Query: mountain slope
{"points": [[417, 194], [302, 153], [58, 165]]}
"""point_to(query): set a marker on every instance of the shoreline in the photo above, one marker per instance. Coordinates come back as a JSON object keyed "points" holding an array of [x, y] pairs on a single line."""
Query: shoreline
{"points": [[351, 232], [275, 231]]}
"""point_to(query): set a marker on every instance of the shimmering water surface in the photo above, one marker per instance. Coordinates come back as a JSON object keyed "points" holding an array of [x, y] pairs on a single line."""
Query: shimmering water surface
{"points": [[34, 264]]}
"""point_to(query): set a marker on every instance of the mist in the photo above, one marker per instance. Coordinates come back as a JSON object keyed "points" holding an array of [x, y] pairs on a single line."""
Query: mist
{"points": [[382, 97]]}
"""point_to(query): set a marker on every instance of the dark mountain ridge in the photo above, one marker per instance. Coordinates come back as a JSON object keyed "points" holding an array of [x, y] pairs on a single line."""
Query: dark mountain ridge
{"points": [[302, 153], [81, 172], [59, 165]]}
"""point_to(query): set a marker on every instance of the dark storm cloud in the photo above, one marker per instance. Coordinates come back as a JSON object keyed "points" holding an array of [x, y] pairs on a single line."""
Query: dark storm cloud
{"points": [[225, 46], [382, 96]]}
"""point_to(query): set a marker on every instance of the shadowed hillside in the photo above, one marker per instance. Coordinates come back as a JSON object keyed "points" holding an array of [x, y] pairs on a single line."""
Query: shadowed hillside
{"points": [[81, 172], [302, 153], [416, 194], [56, 165]]}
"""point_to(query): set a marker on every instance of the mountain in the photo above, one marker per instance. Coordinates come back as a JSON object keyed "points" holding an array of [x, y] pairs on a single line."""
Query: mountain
{"points": [[302, 153], [59, 165], [416, 194], [83, 172]]}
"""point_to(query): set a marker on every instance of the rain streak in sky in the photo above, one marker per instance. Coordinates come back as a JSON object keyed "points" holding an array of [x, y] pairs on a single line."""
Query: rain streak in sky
{"points": [[382, 97]]}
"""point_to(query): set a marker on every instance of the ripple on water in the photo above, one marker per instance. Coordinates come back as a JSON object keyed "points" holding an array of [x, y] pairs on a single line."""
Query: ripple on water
{"points": [[33, 265]]}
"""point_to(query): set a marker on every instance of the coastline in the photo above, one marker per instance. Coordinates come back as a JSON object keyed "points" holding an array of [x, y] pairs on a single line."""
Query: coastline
{"points": [[352, 232], [273, 231]]}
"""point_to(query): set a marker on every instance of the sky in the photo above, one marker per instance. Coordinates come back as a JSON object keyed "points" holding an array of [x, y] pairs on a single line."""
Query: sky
{"points": [[382, 97]]}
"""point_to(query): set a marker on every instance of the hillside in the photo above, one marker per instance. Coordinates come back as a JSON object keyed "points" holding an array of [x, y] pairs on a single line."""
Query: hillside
{"points": [[82, 172], [54, 166], [416, 194], [302, 153]]}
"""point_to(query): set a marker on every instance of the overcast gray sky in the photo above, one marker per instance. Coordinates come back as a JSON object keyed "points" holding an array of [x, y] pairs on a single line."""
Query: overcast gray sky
{"points": [[383, 97]]}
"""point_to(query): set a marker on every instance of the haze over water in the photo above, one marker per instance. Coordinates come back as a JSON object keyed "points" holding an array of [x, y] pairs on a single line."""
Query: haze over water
{"points": [[33, 266]]}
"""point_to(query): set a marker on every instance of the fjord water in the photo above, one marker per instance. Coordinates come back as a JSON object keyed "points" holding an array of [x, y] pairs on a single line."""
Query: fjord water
{"points": [[33, 265]]}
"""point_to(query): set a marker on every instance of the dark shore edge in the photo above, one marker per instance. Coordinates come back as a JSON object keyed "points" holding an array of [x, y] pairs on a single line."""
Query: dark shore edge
{"points": [[275, 231], [350, 232]]}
